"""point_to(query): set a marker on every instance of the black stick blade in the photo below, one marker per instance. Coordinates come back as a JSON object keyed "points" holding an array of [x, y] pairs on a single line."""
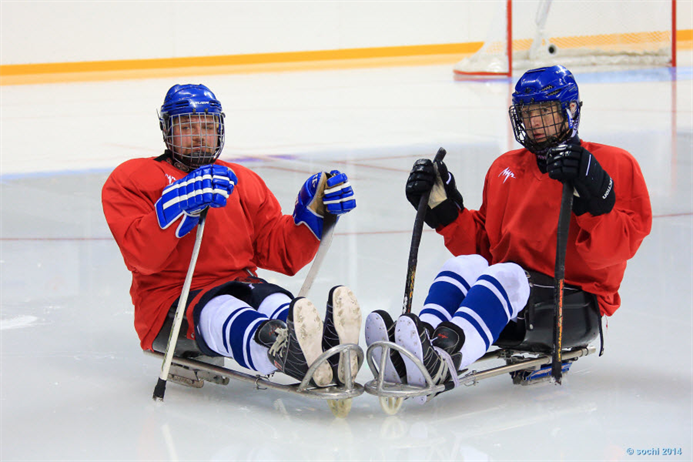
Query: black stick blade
{"points": [[159, 390]]}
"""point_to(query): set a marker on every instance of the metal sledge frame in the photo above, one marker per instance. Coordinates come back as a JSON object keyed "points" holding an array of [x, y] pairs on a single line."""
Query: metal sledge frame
{"points": [[516, 360], [349, 390]]}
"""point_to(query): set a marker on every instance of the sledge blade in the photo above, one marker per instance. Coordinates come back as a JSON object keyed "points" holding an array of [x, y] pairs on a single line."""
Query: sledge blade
{"points": [[541, 375]]}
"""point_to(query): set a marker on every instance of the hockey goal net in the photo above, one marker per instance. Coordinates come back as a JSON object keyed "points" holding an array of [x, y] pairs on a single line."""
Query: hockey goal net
{"points": [[526, 34]]}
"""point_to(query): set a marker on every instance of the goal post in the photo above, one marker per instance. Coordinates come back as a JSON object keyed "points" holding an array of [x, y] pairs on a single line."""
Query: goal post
{"points": [[526, 34]]}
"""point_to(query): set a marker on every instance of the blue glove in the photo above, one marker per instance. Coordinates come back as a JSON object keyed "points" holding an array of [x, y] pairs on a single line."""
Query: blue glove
{"points": [[323, 193], [208, 186]]}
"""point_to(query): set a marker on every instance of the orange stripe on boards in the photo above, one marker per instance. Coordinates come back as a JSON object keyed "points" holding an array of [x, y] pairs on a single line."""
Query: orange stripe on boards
{"points": [[262, 62], [684, 35], [635, 41], [450, 59], [684, 39]]}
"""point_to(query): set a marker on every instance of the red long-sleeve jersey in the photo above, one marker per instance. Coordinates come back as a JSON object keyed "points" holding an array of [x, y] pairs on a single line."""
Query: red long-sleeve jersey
{"points": [[518, 220], [249, 232]]}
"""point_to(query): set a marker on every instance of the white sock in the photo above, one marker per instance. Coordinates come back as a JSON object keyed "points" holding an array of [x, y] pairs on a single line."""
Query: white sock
{"points": [[225, 314]]}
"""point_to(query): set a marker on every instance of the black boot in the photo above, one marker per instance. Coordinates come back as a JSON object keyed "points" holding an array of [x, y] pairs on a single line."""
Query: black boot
{"points": [[440, 356], [449, 337], [267, 333], [294, 345]]}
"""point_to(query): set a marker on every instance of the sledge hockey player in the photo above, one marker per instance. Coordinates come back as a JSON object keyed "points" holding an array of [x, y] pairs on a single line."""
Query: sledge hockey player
{"points": [[153, 205], [509, 244]]}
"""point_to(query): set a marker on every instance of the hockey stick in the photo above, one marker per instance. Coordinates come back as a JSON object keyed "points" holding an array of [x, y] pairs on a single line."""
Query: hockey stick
{"points": [[415, 241], [160, 388], [559, 278], [328, 224]]}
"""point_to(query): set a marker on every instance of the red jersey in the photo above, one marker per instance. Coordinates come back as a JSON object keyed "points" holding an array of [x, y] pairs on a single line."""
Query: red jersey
{"points": [[518, 220], [248, 233]]}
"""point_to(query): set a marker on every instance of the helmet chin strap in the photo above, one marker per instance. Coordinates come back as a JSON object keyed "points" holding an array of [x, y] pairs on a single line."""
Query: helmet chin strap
{"points": [[171, 159], [569, 120], [179, 163]]}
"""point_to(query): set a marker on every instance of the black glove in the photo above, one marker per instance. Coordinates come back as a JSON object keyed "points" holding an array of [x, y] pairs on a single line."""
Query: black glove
{"points": [[445, 201], [574, 164]]}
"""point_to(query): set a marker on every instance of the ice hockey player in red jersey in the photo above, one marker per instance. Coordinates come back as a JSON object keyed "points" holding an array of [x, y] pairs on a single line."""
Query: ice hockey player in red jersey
{"points": [[481, 296], [153, 205]]}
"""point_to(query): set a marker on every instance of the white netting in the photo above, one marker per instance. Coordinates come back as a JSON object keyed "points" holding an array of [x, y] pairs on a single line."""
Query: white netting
{"points": [[585, 33]]}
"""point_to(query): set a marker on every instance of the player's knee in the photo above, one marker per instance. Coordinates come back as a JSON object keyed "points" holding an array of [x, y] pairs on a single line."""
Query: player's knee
{"points": [[514, 280], [275, 305], [469, 267]]}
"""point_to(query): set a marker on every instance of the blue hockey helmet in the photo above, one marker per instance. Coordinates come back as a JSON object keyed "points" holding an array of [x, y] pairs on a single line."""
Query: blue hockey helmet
{"points": [[546, 87], [188, 108]]}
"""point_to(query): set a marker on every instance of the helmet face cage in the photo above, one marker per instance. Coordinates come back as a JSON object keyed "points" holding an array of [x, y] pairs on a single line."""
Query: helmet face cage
{"points": [[195, 139], [540, 126], [546, 108], [192, 124]]}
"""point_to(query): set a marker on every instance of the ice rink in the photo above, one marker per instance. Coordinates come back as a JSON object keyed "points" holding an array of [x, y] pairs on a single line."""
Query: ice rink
{"points": [[77, 387]]}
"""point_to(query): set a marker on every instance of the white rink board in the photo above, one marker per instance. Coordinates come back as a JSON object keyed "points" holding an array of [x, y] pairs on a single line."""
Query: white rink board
{"points": [[75, 31]]}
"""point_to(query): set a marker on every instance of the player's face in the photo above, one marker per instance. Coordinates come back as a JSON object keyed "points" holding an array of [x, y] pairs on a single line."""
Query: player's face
{"points": [[195, 133], [542, 121]]}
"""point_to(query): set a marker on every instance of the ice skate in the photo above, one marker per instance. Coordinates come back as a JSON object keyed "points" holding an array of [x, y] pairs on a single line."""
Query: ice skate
{"points": [[342, 326], [381, 328], [440, 355], [296, 344]]}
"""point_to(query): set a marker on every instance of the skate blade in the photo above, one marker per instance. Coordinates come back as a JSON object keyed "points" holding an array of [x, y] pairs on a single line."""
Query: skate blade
{"points": [[194, 378], [541, 375]]}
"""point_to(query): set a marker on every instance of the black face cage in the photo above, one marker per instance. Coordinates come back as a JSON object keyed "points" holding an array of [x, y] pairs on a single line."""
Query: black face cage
{"points": [[520, 116], [195, 139]]}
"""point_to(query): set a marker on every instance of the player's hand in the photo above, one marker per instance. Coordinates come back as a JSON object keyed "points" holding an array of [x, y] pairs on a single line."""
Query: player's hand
{"points": [[338, 195], [323, 193], [445, 201], [207, 186], [571, 163]]}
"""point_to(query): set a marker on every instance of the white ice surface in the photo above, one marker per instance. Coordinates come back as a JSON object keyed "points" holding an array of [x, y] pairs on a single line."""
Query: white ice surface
{"points": [[76, 387]]}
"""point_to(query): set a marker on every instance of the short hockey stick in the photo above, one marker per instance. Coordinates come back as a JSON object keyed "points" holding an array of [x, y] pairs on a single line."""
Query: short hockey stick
{"points": [[160, 388], [328, 224], [415, 241], [559, 279]]}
